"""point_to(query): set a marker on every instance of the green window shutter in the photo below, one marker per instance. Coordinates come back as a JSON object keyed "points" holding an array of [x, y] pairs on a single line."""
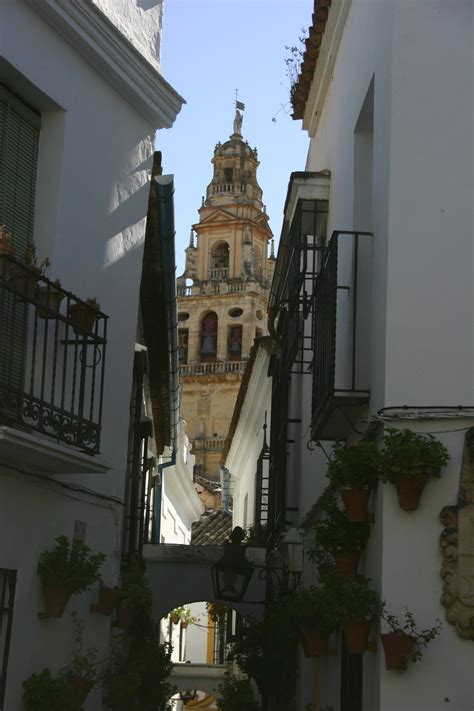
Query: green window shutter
{"points": [[19, 137]]}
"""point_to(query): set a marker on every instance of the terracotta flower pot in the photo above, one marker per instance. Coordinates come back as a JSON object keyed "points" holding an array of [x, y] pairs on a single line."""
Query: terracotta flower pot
{"points": [[409, 490], [124, 615], [108, 598], [356, 633], [25, 280], [174, 619], [82, 316], [398, 648], [7, 250], [56, 598], [314, 643], [348, 563], [49, 300], [355, 502], [184, 624], [81, 686]]}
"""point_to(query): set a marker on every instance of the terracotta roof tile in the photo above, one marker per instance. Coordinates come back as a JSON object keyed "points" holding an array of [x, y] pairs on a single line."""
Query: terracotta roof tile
{"points": [[209, 484], [300, 91], [213, 528]]}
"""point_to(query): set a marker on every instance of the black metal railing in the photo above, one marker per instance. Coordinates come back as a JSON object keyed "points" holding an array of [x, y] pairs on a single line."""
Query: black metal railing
{"points": [[52, 358], [324, 328], [340, 320]]}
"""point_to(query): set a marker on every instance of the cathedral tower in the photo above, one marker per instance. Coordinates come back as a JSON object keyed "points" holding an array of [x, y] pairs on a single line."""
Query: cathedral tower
{"points": [[222, 296]]}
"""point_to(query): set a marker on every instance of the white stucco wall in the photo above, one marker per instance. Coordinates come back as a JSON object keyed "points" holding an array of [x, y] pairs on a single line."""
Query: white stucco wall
{"points": [[141, 23], [247, 441]]}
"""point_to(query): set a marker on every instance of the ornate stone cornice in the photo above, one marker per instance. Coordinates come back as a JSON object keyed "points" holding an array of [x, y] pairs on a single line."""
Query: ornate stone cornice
{"points": [[98, 41], [457, 546]]}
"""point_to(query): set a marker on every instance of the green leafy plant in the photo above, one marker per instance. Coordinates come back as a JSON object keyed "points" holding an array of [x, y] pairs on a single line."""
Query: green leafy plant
{"points": [[71, 565], [333, 533], [29, 257], [317, 607], [136, 675], [236, 693], [357, 466], [93, 303], [421, 637], [356, 598], [84, 663], [43, 692], [182, 614], [411, 454]]}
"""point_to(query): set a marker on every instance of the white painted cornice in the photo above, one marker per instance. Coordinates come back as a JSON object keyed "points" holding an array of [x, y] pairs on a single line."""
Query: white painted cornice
{"points": [[325, 64], [180, 491], [113, 56]]}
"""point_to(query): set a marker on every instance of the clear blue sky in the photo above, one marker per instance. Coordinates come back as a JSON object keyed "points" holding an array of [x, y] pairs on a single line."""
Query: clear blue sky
{"points": [[210, 48]]}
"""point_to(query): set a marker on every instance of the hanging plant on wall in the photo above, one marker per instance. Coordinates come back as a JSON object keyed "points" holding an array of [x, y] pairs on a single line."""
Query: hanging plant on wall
{"points": [[404, 642], [355, 472], [336, 541], [44, 692], [67, 569], [408, 460]]}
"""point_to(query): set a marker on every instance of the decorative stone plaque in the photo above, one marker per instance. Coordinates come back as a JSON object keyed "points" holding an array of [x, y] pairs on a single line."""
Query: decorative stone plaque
{"points": [[457, 545]]}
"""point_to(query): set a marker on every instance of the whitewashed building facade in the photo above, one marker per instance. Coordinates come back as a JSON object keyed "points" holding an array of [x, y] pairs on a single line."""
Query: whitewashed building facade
{"points": [[81, 98], [386, 307]]}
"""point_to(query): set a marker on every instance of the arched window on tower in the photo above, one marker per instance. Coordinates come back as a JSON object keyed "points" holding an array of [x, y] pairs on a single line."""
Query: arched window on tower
{"points": [[235, 343], [219, 267], [208, 338], [183, 335]]}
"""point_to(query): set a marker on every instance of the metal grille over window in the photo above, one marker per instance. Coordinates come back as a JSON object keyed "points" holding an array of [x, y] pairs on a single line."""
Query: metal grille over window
{"points": [[7, 599]]}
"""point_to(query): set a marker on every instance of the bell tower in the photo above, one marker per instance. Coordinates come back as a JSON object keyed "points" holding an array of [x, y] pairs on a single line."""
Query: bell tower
{"points": [[222, 296]]}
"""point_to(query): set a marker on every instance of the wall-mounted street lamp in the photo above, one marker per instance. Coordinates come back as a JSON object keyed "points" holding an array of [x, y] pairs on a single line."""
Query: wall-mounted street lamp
{"points": [[231, 574]]}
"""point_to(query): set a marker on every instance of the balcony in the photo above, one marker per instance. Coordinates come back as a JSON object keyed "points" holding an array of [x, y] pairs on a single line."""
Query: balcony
{"points": [[208, 444], [52, 366], [237, 366], [218, 274], [213, 286], [340, 327]]}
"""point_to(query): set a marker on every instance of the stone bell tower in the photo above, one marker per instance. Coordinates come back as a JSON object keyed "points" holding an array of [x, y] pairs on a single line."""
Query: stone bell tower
{"points": [[222, 296]]}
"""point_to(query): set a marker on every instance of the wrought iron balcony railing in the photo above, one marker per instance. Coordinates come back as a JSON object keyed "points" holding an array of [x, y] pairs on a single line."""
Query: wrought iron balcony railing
{"points": [[340, 307], [52, 358]]}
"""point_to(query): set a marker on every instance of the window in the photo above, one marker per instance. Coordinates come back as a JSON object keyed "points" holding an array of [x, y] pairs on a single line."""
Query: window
{"points": [[183, 345], [7, 598], [219, 260], [208, 339], [235, 343], [19, 138], [228, 175]]}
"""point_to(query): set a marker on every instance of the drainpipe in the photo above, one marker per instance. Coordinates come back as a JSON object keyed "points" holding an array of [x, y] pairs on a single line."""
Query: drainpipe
{"points": [[164, 193], [225, 486]]}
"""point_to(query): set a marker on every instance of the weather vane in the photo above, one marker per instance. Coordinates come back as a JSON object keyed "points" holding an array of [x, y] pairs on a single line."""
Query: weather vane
{"points": [[239, 105]]}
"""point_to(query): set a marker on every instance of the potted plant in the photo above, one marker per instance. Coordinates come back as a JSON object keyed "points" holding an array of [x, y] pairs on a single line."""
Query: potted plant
{"points": [[404, 641], [135, 596], [317, 614], [65, 570], [358, 603], [83, 672], [7, 248], [26, 275], [107, 602], [354, 471], [215, 610], [408, 460], [119, 683], [335, 540], [84, 314], [236, 693], [49, 297], [43, 692]]}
